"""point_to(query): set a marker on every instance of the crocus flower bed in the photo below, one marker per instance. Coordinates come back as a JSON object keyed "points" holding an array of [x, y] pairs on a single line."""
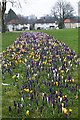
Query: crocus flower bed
{"points": [[42, 70]]}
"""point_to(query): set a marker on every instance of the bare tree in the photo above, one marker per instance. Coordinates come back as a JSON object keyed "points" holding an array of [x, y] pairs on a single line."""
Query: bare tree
{"points": [[3, 8], [61, 11]]}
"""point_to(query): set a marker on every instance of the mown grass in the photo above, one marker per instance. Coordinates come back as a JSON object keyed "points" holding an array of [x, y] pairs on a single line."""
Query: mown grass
{"points": [[69, 36], [8, 38]]}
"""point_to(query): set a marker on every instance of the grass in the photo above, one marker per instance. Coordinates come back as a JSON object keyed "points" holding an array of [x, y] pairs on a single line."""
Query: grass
{"points": [[11, 93], [68, 36], [8, 38]]}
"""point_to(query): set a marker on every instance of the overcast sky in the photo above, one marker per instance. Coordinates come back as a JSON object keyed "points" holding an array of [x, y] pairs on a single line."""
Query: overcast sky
{"points": [[38, 7]]}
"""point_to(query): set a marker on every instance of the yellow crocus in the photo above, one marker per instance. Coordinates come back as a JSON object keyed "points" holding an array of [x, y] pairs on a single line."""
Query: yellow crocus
{"points": [[16, 80], [20, 61], [57, 56], [65, 111], [27, 113], [38, 44], [31, 91], [55, 44], [58, 97], [56, 83], [72, 80], [64, 59], [27, 90], [32, 48], [44, 57], [63, 96], [62, 71], [13, 76], [45, 62], [56, 92], [62, 104], [59, 68], [5, 65], [16, 62], [25, 60], [50, 60], [70, 110]]}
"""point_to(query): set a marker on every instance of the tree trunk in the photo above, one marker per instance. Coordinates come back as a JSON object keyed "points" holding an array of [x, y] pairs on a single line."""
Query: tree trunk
{"points": [[3, 24], [0, 18], [3, 13]]}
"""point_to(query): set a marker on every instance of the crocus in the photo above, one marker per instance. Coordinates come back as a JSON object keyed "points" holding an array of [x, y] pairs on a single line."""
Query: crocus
{"points": [[27, 113], [41, 109], [37, 102], [26, 90], [15, 104]]}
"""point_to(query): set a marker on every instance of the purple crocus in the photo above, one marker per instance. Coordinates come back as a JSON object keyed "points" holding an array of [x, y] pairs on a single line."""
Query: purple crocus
{"points": [[66, 85], [19, 105], [18, 110], [69, 77], [48, 99], [66, 102], [59, 108], [50, 89], [27, 74], [15, 104], [41, 109], [37, 102]]}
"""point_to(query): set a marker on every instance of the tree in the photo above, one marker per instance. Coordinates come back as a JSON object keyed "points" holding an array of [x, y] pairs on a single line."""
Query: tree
{"points": [[61, 11], [3, 8]]}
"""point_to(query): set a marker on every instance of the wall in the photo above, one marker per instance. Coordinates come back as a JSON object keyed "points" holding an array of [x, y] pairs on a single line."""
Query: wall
{"points": [[46, 26], [17, 27], [72, 25]]}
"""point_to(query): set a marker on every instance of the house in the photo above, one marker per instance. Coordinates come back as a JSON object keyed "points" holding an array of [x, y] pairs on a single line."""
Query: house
{"points": [[11, 19], [72, 23], [17, 26], [30, 25], [14, 22], [11, 25], [46, 24]]}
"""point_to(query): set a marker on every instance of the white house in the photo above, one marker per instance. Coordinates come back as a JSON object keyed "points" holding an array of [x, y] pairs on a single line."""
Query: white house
{"points": [[38, 24], [23, 27], [46, 24], [72, 23], [14, 25]]}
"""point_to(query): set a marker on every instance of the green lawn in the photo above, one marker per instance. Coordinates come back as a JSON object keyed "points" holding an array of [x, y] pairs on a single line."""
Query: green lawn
{"points": [[8, 38], [11, 93], [69, 36]]}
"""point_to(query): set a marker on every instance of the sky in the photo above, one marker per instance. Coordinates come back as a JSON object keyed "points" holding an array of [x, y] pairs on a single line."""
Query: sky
{"points": [[38, 8]]}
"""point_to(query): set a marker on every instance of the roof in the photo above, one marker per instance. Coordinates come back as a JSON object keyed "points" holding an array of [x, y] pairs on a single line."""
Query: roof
{"points": [[72, 20], [67, 21], [45, 21], [13, 21]]}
